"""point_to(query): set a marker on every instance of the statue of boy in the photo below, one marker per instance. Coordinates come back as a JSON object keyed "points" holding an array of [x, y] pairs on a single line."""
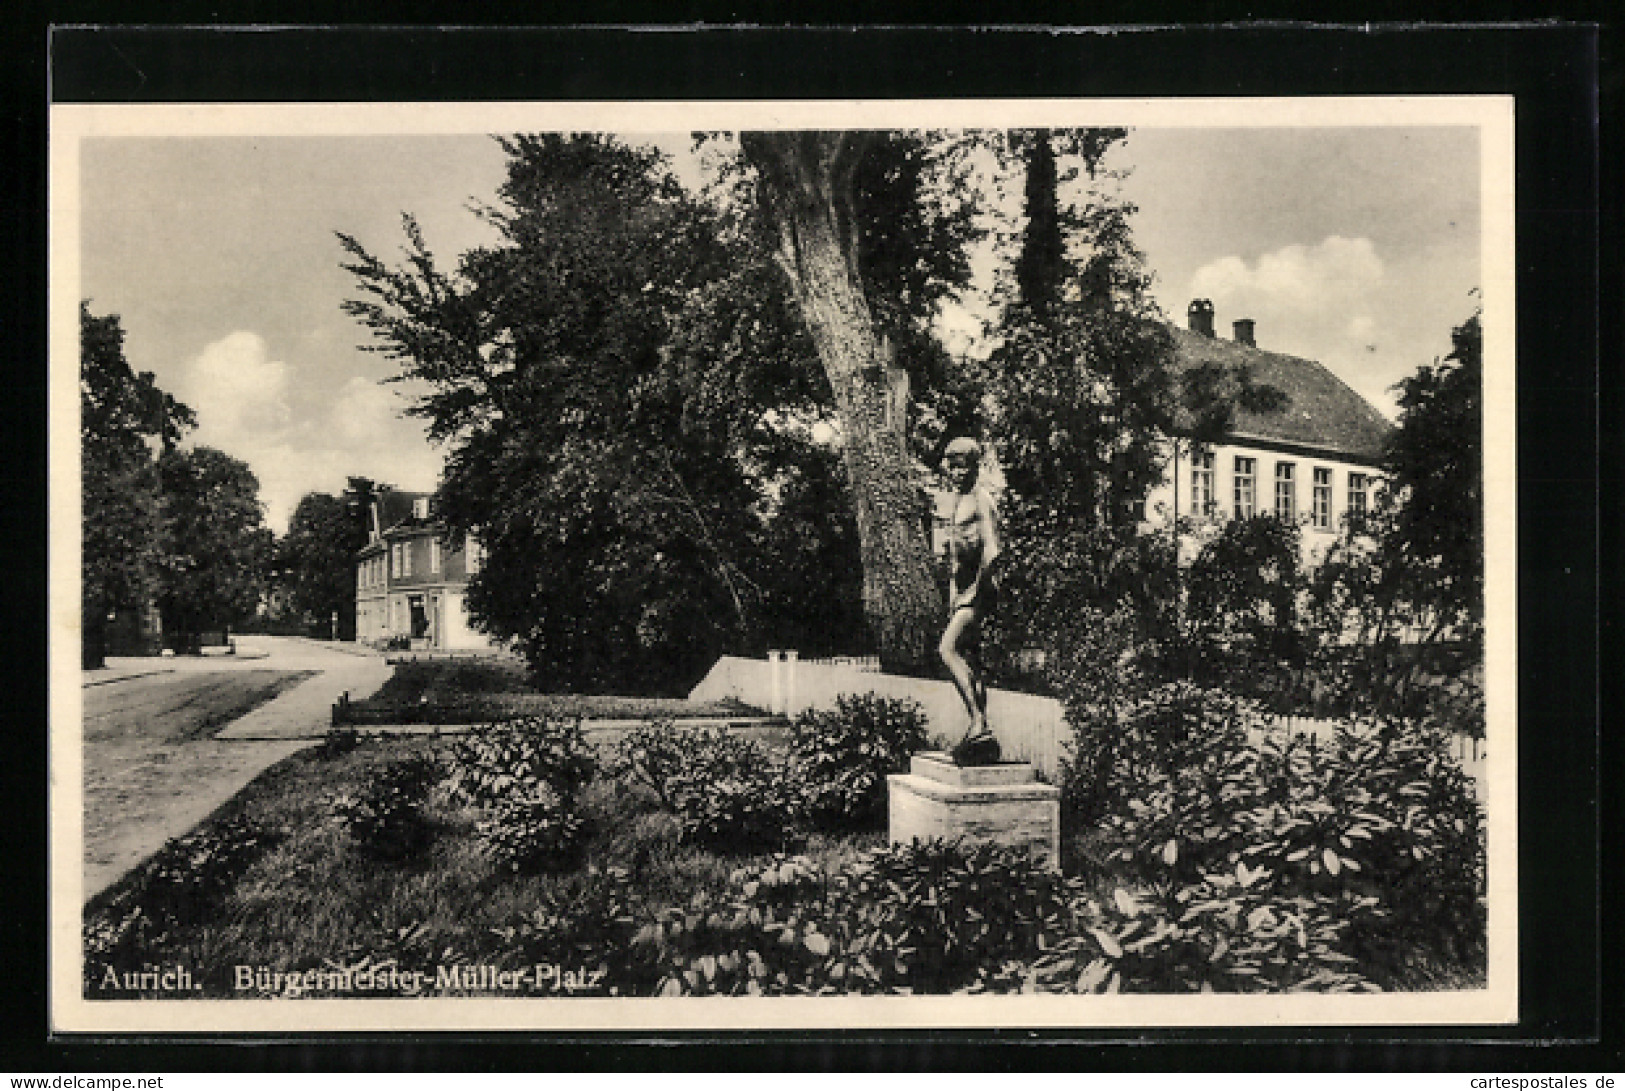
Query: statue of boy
{"points": [[973, 546]]}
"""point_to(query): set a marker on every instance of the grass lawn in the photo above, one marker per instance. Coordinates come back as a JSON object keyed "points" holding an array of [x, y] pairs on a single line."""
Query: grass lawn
{"points": [[453, 691], [308, 897]]}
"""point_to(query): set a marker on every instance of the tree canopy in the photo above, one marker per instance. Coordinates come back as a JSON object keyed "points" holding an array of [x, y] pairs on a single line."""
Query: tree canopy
{"points": [[219, 549], [618, 387], [316, 557], [123, 417]]}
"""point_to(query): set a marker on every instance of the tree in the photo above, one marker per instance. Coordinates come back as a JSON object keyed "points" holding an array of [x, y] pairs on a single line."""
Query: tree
{"points": [[218, 546], [1084, 382], [603, 378], [1400, 594], [1435, 465], [317, 554], [809, 186], [122, 415]]}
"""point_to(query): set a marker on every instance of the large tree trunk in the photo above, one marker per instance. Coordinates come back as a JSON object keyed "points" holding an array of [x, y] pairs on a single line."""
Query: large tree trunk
{"points": [[807, 177]]}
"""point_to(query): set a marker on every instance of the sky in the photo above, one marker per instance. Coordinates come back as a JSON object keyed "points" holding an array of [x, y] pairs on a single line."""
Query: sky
{"points": [[1358, 247]]}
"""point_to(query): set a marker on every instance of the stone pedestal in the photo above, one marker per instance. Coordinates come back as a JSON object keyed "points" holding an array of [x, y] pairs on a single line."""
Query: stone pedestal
{"points": [[1003, 803]]}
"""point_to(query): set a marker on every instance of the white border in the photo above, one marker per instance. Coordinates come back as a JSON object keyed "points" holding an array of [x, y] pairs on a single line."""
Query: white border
{"points": [[1496, 1004]]}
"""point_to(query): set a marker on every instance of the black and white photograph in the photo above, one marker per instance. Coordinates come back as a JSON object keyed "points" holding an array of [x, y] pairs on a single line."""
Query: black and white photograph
{"points": [[954, 563]]}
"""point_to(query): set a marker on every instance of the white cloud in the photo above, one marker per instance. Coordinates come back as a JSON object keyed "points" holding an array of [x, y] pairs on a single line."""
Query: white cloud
{"points": [[1302, 279], [235, 387], [1334, 302], [249, 405]]}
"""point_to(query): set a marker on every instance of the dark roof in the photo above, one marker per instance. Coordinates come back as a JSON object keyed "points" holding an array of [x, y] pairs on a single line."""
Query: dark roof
{"points": [[395, 509], [1322, 411]]}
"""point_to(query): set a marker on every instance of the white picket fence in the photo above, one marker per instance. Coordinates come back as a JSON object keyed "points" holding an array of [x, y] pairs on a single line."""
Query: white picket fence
{"points": [[1029, 728]]}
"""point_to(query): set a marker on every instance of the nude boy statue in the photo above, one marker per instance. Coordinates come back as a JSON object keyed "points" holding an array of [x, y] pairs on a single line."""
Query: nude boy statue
{"points": [[973, 546]]}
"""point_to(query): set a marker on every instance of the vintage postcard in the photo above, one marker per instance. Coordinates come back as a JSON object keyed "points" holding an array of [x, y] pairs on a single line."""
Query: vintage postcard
{"points": [[753, 565]]}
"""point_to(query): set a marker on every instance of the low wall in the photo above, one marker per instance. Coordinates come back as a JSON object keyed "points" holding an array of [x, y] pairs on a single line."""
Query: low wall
{"points": [[1028, 728]]}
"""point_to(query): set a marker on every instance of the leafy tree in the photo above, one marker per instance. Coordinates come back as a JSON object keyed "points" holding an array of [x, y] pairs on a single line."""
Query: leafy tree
{"points": [[834, 202], [604, 377], [316, 557], [1086, 393], [1400, 595], [122, 416], [1435, 464], [219, 548]]}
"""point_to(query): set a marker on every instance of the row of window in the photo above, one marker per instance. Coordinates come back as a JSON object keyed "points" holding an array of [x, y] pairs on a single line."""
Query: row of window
{"points": [[1244, 491], [399, 561]]}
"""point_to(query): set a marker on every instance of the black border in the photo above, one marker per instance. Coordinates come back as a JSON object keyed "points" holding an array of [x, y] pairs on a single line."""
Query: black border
{"points": [[1554, 72]]}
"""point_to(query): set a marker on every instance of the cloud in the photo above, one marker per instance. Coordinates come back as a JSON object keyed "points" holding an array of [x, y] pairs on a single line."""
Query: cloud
{"points": [[1297, 279], [1335, 301], [236, 387], [298, 440]]}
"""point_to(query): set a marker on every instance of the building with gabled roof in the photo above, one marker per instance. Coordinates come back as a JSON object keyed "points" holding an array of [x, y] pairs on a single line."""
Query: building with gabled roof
{"points": [[411, 585], [1316, 460]]}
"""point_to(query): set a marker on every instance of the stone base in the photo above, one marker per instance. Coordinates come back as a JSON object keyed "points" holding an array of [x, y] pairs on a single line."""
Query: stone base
{"points": [[1002, 803]]}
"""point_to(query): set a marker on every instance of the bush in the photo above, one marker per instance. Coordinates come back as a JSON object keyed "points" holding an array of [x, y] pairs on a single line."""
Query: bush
{"points": [[517, 759], [1117, 743], [920, 918], [532, 835], [386, 818], [526, 775], [841, 758], [728, 791], [1377, 827]]}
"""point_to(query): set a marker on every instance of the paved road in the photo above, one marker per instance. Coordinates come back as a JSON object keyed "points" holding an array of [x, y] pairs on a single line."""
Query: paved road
{"points": [[165, 789]]}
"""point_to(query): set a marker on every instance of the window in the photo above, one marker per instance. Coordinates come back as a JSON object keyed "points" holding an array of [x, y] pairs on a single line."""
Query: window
{"points": [[1286, 493], [473, 554], [394, 562], [1323, 498], [1201, 482], [1357, 495], [1245, 469], [406, 558], [434, 554]]}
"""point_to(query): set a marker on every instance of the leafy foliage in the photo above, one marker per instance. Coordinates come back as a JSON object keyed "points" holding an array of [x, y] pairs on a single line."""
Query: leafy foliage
{"points": [[315, 559], [1435, 541], [520, 760], [537, 833], [121, 529], [220, 549], [1378, 826], [729, 792], [1243, 592], [386, 817], [526, 775], [842, 756]]}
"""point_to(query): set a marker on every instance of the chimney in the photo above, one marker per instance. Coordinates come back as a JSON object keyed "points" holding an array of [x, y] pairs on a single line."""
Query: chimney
{"points": [[1244, 331], [420, 507], [1200, 316]]}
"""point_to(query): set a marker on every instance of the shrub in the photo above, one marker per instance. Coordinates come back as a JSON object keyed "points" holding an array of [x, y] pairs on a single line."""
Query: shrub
{"points": [[841, 758], [1376, 827], [517, 759], [919, 918], [534, 834], [526, 775], [585, 925], [386, 817], [1117, 744], [728, 791]]}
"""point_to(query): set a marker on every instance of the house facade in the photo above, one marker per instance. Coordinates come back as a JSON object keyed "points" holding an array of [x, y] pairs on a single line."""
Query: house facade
{"points": [[411, 586], [1316, 461]]}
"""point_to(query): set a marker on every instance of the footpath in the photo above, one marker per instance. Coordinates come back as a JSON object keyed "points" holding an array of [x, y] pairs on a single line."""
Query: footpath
{"points": [[177, 786]]}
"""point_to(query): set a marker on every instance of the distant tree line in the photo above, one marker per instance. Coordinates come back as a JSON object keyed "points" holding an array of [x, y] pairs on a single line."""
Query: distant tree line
{"points": [[161, 527]]}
